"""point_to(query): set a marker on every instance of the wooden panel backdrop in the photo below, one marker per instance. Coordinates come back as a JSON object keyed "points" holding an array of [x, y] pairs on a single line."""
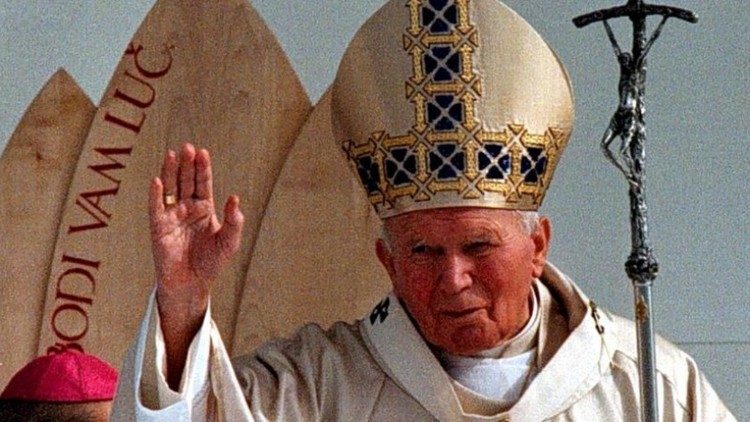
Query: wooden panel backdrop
{"points": [[35, 172], [315, 255], [206, 71]]}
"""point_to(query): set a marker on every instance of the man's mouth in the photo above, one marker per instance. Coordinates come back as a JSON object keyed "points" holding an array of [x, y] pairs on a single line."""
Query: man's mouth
{"points": [[461, 313]]}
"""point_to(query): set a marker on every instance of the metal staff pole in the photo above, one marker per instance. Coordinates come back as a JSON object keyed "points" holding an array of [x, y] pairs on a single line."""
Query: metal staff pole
{"points": [[629, 125]]}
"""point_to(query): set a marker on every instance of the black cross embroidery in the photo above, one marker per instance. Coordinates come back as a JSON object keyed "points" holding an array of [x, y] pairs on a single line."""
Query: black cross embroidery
{"points": [[438, 17], [396, 166], [442, 62], [494, 160], [447, 161], [445, 113], [380, 311]]}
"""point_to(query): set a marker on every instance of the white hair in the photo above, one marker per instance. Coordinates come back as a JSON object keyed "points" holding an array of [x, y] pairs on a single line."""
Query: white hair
{"points": [[385, 236], [529, 221]]}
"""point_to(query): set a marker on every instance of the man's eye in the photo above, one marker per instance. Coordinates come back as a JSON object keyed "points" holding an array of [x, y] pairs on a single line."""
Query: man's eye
{"points": [[419, 249], [478, 247]]}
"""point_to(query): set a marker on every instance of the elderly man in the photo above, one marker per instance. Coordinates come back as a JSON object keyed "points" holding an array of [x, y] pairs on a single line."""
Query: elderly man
{"points": [[453, 114]]}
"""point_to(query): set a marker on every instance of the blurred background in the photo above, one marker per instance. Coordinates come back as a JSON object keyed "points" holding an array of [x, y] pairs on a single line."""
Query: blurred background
{"points": [[697, 151]]}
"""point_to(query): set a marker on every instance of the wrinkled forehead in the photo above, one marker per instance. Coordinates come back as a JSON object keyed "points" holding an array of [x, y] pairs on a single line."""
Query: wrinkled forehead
{"points": [[454, 222]]}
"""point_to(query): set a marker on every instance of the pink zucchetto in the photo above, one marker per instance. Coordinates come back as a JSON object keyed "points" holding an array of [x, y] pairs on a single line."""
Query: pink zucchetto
{"points": [[67, 377]]}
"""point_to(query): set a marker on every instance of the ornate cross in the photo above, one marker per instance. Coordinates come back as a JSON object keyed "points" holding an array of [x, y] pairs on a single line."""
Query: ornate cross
{"points": [[380, 311], [629, 125]]}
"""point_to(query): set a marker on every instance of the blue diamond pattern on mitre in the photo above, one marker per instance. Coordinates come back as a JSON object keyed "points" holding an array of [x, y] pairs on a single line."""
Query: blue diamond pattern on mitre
{"points": [[533, 164], [444, 113], [494, 160], [400, 166], [369, 174], [444, 61], [447, 161], [439, 16]]}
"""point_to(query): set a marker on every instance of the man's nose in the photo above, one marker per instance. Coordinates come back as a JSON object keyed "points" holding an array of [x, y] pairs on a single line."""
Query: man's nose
{"points": [[456, 274]]}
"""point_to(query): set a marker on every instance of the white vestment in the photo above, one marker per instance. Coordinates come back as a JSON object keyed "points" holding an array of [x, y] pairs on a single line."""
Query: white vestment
{"points": [[381, 369]]}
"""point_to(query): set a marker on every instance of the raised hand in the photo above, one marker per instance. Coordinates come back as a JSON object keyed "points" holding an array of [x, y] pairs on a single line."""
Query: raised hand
{"points": [[190, 245]]}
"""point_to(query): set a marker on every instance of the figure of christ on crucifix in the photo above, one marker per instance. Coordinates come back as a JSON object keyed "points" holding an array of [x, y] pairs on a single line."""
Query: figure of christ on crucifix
{"points": [[629, 124], [628, 120]]}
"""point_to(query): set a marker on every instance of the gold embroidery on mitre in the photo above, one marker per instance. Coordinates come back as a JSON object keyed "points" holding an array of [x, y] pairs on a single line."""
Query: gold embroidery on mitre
{"points": [[447, 150]]}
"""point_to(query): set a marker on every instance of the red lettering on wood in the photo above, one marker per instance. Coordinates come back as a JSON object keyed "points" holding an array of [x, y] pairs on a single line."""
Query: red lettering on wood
{"points": [[81, 261], [74, 308], [135, 127], [61, 348], [69, 296], [97, 197], [120, 95], [87, 197], [135, 51], [94, 198], [102, 169]]}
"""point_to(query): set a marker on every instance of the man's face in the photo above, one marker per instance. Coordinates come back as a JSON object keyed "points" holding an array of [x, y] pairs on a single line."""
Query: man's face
{"points": [[464, 274]]}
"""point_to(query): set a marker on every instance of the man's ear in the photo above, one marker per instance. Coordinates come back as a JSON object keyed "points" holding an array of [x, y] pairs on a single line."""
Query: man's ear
{"points": [[385, 257], [541, 238]]}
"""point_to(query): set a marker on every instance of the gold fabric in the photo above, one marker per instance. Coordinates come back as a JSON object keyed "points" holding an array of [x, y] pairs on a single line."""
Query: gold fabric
{"points": [[449, 104]]}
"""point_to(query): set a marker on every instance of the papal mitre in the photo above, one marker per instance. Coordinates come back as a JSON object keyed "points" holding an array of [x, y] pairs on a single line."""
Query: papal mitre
{"points": [[451, 103]]}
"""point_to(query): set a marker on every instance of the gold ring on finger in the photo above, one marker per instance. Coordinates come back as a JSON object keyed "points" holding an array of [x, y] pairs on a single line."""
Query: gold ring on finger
{"points": [[170, 199]]}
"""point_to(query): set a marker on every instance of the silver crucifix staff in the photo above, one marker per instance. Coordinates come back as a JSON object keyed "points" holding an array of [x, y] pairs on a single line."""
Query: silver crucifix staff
{"points": [[629, 125]]}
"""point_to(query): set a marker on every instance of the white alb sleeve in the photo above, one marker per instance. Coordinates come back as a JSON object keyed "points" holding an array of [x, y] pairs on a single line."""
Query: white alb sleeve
{"points": [[144, 395], [194, 385]]}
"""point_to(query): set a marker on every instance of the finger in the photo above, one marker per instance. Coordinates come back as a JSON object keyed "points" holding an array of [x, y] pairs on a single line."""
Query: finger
{"points": [[203, 176], [187, 171], [229, 235], [169, 173], [155, 199]]}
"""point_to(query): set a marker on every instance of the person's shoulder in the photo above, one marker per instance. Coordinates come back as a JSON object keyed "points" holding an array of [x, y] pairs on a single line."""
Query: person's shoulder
{"points": [[682, 382], [672, 362], [677, 369], [341, 339], [312, 356]]}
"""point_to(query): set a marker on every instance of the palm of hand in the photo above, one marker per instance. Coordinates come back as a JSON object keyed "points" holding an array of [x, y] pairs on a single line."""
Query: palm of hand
{"points": [[184, 240], [189, 243]]}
